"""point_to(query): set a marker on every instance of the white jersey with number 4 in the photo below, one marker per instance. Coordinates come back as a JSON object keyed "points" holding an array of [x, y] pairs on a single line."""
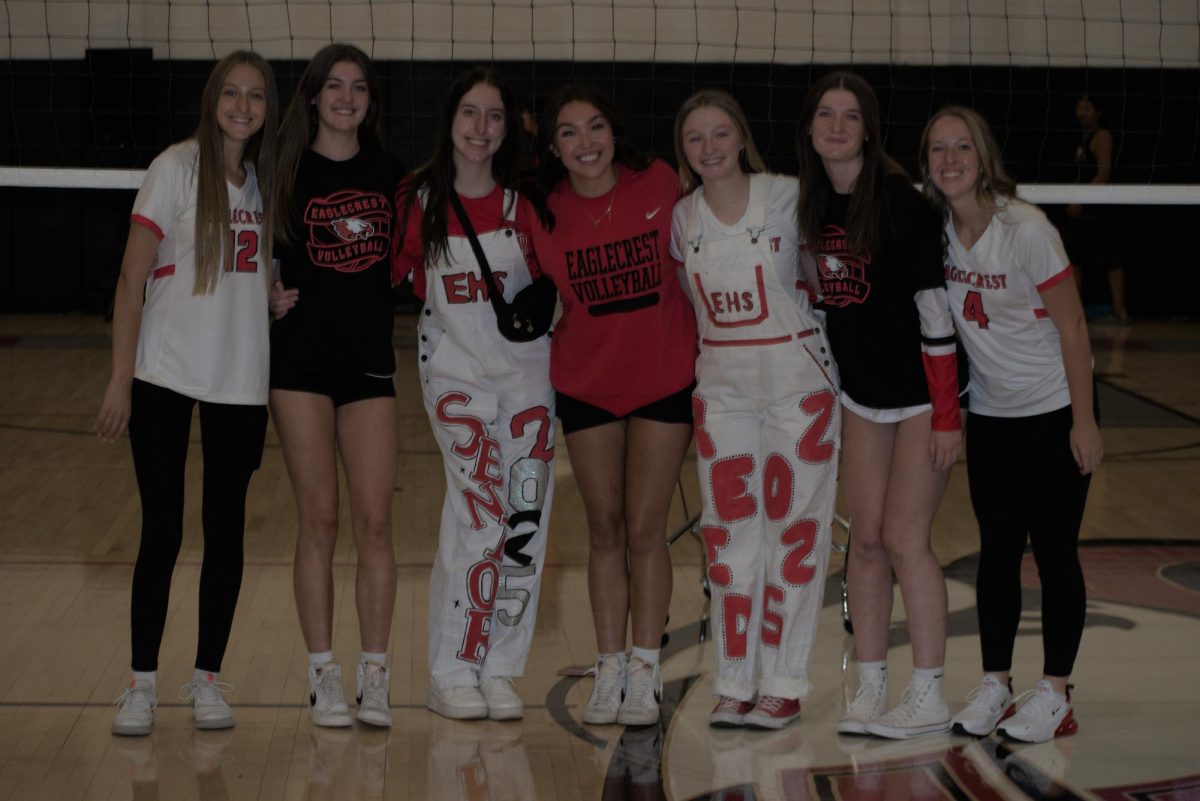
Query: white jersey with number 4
{"points": [[1016, 358], [211, 347]]}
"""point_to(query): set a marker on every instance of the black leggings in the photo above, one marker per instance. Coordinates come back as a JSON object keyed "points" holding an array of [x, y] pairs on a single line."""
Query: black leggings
{"points": [[1025, 485], [231, 438]]}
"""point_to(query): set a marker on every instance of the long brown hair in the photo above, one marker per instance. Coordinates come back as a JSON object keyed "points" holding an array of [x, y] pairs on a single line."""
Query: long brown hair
{"points": [[551, 169], [213, 246], [749, 159], [437, 175], [299, 128], [868, 199], [994, 180]]}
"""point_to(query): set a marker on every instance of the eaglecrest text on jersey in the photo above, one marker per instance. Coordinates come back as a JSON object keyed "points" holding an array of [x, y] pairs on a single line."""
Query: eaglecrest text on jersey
{"points": [[977, 280]]}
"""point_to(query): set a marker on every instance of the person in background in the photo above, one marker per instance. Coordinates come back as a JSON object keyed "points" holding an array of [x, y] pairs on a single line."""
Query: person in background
{"points": [[1089, 230]]}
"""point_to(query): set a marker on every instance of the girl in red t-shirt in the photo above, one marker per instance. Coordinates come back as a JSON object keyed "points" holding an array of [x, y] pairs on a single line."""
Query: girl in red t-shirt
{"points": [[623, 366]]}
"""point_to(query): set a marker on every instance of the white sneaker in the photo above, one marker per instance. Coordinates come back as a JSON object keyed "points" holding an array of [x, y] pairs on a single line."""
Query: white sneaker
{"points": [[987, 705], [643, 692], [1042, 714], [209, 708], [327, 697], [135, 709], [604, 704], [372, 694], [869, 703], [503, 703], [457, 703], [922, 710]]}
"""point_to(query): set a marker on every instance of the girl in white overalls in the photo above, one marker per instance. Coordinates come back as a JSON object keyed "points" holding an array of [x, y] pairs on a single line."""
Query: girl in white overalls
{"points": [[489, 402], [766, 414]]}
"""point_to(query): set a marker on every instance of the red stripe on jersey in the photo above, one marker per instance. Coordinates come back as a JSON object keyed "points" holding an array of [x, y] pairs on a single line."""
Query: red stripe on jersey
{"points": [[1056, 279], [1041, 314], [163, 272], [148, 223]]}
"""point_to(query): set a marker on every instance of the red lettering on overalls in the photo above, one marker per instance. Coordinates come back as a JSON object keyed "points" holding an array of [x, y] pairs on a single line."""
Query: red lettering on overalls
{"points": [[813, 448], [731, 493]]}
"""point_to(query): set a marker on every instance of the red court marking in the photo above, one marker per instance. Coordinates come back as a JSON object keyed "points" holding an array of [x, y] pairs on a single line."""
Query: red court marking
{"points": [[1130, 574]]}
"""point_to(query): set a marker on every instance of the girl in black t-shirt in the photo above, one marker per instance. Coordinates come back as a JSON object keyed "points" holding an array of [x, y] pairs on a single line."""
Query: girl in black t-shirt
{"points": [[878, 248], [332, 363]]}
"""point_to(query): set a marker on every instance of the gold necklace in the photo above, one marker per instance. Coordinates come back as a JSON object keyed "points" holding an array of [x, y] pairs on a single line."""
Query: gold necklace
{"points": [[604, 215]]}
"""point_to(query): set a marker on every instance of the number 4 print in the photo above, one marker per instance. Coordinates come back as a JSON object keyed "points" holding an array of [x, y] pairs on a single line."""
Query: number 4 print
{"points": [[973, 309], [245, 249]]}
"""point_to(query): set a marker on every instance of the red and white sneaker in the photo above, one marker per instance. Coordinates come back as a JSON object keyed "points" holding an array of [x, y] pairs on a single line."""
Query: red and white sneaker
{"points": [[729, 713], [1042, 715], [772, 712], [987, 705]]}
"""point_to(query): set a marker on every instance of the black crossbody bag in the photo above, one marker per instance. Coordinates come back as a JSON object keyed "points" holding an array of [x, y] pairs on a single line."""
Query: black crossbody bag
{"points": [[531, 311]]}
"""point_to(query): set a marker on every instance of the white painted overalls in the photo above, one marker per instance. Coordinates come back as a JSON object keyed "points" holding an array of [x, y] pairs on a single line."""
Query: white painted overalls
{"points": [[767, 425], [492, 409]]}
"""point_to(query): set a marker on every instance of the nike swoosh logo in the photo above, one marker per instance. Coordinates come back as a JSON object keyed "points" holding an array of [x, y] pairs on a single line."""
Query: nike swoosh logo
{"points": [[650, 214]]}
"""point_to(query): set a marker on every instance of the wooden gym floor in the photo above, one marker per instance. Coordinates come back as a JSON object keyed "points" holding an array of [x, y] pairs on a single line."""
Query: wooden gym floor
{"points": [[69, 520]]}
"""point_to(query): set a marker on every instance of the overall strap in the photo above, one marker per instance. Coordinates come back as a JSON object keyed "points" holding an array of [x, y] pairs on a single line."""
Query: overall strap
{"points": [[692, 229], [494, 294], [756, 206]]}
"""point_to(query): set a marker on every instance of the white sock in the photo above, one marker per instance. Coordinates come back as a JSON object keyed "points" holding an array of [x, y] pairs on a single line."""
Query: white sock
{"points": [[620, 656], [929, 676], [647, 655], [872, 672], [147, 675], [318, 660], [378, 659], [1002, 682], [204, 675], [1055, 694]]}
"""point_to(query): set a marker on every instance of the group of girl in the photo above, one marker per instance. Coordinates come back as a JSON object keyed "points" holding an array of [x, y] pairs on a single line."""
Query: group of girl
{"points": [[768, 315]]}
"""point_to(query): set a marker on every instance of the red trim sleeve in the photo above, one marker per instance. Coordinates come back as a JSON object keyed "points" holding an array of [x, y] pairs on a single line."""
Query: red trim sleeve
{"points": [[147, 223], [1058, 278], [941, 373], [408, 254]]}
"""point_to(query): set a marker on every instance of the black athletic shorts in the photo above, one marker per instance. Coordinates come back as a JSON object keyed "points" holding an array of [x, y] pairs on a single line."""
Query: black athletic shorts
{"points": [[577, 415], [343, 384]]}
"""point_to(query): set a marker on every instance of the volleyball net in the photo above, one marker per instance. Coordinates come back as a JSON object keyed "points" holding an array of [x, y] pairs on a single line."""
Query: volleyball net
{"points": [[94, 89]]}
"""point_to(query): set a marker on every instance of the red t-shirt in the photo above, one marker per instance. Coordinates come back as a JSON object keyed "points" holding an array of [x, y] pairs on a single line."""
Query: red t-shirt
{"points": [[627, 336], [486, 213]]}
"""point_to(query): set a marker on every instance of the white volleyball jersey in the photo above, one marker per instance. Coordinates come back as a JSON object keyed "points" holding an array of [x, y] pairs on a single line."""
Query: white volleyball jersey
{"points": [[211, 347], [1014, 348]]}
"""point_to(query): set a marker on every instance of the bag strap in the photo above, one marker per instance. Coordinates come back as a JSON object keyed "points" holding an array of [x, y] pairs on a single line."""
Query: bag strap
{"points": [[494, 293]]}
